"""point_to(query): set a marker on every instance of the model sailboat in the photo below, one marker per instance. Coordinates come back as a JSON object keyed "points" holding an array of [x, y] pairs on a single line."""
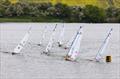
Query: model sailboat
{"points": [[49, 46], [75, 46], [43, 36], [103, 46], [70, 42], [61, 38], [22, 43]]}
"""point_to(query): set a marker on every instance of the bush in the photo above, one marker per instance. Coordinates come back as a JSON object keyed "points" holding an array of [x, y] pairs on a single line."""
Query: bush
{"points": [[14, 10], [118, 19], [34, 11], [112, 14], [62, 11], [3, 7], [2, 12], [87, 14], [93, 14], [51, 11], [76, 14]]}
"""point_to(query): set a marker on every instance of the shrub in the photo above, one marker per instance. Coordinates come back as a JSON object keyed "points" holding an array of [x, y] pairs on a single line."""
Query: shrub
{"points": [[87, 14], [76, 14], [93, 14], [112, 14], [62, 11]]}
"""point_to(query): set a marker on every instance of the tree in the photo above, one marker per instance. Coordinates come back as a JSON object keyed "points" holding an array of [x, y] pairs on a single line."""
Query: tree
{"points": [[62, 11], [93, 14], [25, 7], [76, 14], [3, 7], [10, 11], [44, 6], [18, 9], [51, 11], [112, 14], [34, 11], [2, 10]]}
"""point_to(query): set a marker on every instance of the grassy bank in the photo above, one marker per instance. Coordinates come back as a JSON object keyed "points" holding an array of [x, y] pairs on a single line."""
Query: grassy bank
{"points": [[29, 19]]}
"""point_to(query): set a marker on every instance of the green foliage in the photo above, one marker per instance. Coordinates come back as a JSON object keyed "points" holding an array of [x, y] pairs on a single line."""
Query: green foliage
{"points": [[1, 12], [62, 11], [76, 14], [113, 14], [93, 14], [118, 19], [46, 12], [3, 7]]}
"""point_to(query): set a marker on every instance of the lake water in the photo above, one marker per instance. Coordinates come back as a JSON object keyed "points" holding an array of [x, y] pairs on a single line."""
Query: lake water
{"points": [[31, 64]]}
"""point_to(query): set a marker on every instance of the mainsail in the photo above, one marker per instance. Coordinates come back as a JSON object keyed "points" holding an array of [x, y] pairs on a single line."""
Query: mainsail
{"points": [[49, 46], [70, 42], [43, 36], [61, 38], [75, 46], [103, 46], [22, 43]]}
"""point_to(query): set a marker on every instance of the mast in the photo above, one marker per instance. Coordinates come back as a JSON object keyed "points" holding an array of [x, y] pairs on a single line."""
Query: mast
{"points": [[103, 46]]}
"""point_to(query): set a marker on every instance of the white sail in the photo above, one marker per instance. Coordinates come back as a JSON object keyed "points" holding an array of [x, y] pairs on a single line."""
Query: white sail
{"points": [[103, 47], [61, 38], [73, 47], [49, 46], [43, 36], [22, 43], [77, 47], [76, 42], [69, 44]]}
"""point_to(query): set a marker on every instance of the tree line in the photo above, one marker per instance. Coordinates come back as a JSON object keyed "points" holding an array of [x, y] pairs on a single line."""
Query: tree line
{"points": [[87, 14]]}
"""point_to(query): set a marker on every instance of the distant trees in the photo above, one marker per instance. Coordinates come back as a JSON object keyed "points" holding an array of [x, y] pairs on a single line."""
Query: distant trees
{"points": [[3, 6], [118, 18], [87, 14], [14, 10], [113, 14], [93, 14], [62, 11], [76, 14], [1, 12]]}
